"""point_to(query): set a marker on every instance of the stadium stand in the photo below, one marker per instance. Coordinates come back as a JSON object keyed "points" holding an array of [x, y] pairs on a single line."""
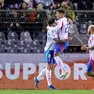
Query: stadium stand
{"points": [[23, 28]]}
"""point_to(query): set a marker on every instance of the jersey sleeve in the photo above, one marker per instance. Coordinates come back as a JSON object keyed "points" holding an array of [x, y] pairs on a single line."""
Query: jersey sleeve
{"points": [[57, 27], [93, 40]]}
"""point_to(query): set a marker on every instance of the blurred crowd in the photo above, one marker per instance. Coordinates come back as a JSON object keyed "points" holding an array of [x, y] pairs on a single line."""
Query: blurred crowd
{"points": [[68, 5], [47, 4], [35, 20]]}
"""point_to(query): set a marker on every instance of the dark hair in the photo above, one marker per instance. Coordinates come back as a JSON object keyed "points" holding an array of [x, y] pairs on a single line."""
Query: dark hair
{"points": [[60, 11], [51, 21]]}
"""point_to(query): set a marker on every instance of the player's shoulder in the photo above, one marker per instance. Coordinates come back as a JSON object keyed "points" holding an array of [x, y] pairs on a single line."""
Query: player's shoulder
{"points": [[50, 31], [92, 37], [64, 18], [49, 28]]}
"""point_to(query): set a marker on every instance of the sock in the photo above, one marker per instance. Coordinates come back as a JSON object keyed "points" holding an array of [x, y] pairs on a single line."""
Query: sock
{"points": [[60, 63], [42, 74], [48, 77]]}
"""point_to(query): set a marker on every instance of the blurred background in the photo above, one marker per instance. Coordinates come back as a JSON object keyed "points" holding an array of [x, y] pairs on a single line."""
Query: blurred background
{"points": [[23, 23]]}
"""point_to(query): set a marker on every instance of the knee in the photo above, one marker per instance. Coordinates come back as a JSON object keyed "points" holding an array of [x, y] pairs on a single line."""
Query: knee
{"points": [[50, 67], [56, 54]]}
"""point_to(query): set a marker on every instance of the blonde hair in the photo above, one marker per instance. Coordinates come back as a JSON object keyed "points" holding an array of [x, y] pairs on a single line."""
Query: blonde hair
{"points": [[90, 29]]}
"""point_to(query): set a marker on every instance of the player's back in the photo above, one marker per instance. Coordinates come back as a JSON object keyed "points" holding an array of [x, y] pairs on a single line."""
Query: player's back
{"points": [[50, 44], [63, 31]]}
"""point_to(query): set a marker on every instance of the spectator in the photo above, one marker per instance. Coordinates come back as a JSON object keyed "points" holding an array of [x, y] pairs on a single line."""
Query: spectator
{"points": [[24, 5], [75, 4], [40, 6], [48, 3], [90, 4], [69, 11], [54, 6], [58, 1], [32, 16], [41, 19], [82, 5], [14, 16], [30, 4], [85, 4], [2, 5], [38, 1]]}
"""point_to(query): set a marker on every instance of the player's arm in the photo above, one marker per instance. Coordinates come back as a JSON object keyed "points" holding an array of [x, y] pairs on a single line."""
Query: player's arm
{"points": [[54, 36], [60, 41], [57, 27], [90, 48], [86, 47], [70, 21]]}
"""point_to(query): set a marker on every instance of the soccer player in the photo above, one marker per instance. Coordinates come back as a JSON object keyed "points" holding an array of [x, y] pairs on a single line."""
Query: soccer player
{"points": [[49, 55], [62, 33], [90, 48]]}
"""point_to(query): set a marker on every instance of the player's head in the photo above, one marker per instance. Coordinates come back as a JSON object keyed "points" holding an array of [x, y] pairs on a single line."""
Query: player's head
{"points": [[60, 13], [91, 29], [51, 22]]}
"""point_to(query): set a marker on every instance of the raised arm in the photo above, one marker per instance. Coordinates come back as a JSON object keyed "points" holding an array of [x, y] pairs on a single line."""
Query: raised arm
{"points": [[57, 27]]}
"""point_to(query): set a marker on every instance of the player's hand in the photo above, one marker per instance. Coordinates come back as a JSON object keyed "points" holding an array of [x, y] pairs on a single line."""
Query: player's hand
{"points": [[69, 38], [84, 47], [87, 50]]}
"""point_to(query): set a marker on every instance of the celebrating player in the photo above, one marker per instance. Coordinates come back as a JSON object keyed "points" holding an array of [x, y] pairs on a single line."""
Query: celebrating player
{"points": [[90, 48], [62, 33], [52, 39], [49, 55]]}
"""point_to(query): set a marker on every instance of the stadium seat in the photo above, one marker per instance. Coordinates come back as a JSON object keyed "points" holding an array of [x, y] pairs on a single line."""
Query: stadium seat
{"points": [[12, 50], [2, 48], [21, 46], [27, 50], [12, 36], [8, 45], [2, 37], [25, 36], [33, 47], [36, 42], [40, 50], [83, 28]]}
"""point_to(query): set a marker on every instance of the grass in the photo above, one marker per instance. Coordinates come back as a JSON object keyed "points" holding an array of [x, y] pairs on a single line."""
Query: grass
{"points": [[46, 92]]}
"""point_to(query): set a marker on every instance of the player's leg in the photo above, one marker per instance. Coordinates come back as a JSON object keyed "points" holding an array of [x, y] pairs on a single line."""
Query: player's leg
{"points": [[90, 68], [49, 69], [59, 61], [57, 53], [42, 73], [64, 72], [39, 77]]}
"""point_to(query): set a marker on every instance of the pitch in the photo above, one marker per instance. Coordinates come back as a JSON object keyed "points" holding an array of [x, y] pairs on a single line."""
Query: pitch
{"points": [[46, 92]]}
